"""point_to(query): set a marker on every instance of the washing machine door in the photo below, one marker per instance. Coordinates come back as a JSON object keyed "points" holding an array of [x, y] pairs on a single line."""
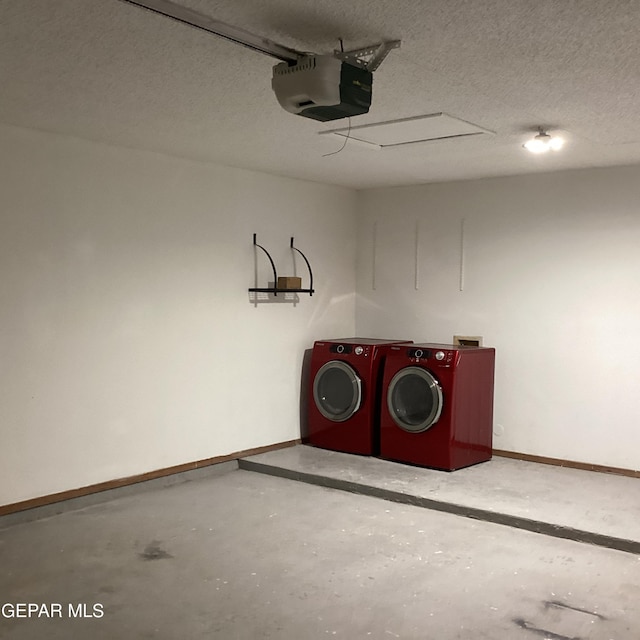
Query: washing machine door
{"points": [[414, 399], [337, 391]]}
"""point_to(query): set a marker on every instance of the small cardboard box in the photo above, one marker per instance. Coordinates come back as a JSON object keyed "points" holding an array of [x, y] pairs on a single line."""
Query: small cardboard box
{"points": [[289, 282]]}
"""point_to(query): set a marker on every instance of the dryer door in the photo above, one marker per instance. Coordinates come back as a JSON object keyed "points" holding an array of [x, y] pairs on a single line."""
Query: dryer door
{"points": [[414, 399], [337, 391]]}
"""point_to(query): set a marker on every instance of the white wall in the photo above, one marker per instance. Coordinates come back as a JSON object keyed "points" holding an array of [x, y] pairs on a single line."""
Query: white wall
{"points": [[128, 339], [551, 279], [129, 342]]}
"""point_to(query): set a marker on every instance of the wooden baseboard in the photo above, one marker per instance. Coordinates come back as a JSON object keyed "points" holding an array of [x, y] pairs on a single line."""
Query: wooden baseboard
{"points": [[198, 464], [142, 477], [585, 466]]}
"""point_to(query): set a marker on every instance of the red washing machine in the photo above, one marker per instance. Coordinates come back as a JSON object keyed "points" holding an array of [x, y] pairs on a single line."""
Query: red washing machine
{"points": [[344, 400], [437, 405]]}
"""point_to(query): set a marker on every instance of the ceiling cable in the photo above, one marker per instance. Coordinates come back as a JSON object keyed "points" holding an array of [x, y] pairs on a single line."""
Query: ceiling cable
{"points": [[344, 144]]}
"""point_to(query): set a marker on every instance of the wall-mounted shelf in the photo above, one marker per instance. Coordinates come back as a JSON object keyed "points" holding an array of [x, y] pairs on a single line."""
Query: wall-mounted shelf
{"points": [[275, 290]]}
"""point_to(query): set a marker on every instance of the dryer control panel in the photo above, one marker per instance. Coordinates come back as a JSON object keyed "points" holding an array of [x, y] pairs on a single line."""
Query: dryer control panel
{"points": [[346, 349], [341, 348]]}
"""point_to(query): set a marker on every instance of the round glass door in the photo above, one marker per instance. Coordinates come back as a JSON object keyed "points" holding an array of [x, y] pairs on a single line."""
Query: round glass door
{"points": [[337, 391], [414, 399]]}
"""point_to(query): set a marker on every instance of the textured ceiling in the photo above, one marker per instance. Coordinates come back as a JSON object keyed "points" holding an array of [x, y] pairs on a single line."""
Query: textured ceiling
{"points": [[106, 70]]}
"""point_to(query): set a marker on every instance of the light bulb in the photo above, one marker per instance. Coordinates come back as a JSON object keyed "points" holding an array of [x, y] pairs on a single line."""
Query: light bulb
{"points": [[543, 142], [537, 145], [556, 143]]}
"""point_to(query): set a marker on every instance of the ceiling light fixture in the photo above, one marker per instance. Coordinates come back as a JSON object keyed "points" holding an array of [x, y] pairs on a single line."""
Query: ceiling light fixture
{"points": [[543, 142]]}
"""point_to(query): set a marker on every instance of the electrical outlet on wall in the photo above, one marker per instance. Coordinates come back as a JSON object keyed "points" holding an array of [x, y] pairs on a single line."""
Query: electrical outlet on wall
{"points": [[468, 341]]}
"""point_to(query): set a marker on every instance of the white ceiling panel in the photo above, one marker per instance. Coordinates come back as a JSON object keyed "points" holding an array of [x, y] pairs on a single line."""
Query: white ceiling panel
{"points": [[427, 128]]}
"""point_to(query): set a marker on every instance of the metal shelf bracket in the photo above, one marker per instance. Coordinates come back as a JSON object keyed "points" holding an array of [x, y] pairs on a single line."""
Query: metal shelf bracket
{"points": [[275, 290]]}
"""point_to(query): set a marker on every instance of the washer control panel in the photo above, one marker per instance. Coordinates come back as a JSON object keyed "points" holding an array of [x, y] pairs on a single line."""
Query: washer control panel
{"points": [[420, 354], [442, 357]]}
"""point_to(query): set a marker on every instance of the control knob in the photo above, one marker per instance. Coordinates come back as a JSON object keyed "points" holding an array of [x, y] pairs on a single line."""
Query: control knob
{"points": [[358, 351], [439, 355]]}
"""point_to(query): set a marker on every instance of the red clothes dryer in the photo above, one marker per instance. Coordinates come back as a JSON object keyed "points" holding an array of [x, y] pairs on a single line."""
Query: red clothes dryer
{"points": [[344, 400], [437, 406]]}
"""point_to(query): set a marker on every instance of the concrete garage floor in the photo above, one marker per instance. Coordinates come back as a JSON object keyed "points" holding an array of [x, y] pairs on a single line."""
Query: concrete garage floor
{"points": [[244, 555], [598, 508]]}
